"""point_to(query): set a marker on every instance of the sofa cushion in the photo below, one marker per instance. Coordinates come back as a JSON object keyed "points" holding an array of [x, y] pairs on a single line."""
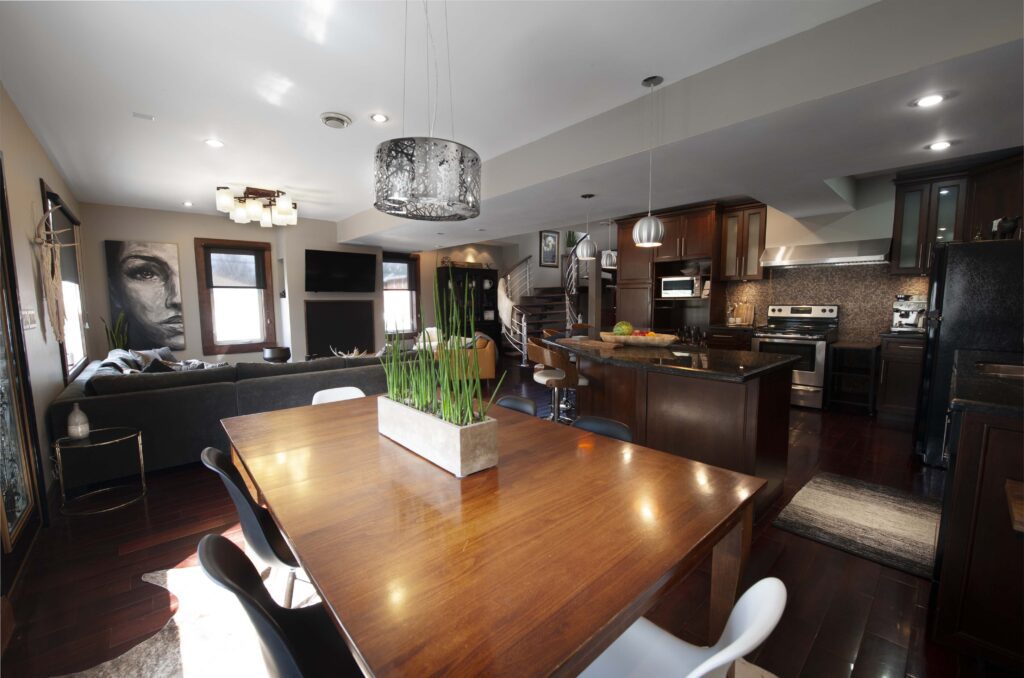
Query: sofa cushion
{"points": [[258, 370], [102, 384], [362, 361]]}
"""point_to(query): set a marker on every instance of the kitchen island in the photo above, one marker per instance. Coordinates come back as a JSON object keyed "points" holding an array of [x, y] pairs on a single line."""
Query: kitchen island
{"points": [[721, 407]]}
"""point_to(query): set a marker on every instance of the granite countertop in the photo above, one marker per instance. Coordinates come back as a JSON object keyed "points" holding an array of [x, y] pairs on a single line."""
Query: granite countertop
{"points": [[682, 360], [972, 389]]}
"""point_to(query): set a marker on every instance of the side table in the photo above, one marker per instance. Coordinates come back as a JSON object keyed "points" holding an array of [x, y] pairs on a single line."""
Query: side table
{"points": [[103, 437]]}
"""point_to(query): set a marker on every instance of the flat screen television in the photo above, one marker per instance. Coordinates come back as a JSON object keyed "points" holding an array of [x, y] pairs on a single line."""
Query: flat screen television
{"points": [[340, 271]]}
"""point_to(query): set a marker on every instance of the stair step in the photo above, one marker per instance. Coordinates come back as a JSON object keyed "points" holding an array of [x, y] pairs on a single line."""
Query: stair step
{"points": [[545, 322]]}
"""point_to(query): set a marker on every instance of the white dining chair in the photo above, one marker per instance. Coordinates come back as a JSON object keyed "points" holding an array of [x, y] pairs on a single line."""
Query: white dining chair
{"points": [[646, 650], [331, 395]]}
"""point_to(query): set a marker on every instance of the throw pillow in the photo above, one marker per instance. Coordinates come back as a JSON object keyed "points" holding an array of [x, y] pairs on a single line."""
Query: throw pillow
{"points": [[157, 366]]}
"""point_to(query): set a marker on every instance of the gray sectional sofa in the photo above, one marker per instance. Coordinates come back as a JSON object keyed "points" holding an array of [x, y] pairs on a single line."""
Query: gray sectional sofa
{"points": [[179, 413]]}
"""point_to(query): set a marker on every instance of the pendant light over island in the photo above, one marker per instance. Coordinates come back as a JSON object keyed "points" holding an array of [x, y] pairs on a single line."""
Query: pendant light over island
{"points": [[649, 231]]}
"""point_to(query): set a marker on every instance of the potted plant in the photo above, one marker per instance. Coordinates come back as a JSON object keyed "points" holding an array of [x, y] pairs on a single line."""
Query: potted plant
{"points": [[434, 405]]}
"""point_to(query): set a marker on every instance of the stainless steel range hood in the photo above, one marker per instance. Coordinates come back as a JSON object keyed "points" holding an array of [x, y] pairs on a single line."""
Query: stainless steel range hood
{"points": [[850, 252]]}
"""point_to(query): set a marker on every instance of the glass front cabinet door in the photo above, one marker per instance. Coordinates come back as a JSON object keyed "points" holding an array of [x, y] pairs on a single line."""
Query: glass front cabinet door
{"points": [[927, 213], [743, 233]]}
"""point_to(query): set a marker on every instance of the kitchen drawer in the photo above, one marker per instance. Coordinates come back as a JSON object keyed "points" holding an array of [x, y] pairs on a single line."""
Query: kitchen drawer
{"points": [[733, 340], [899, 348]]}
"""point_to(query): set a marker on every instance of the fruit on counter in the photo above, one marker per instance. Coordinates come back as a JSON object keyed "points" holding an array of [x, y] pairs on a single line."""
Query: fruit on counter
{"points": [[623, 328], [652, 334]]}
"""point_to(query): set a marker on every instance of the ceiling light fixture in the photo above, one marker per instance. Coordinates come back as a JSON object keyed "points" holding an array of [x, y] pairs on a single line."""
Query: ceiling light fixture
{"points": [[214, 143], [379, 118], [929, 101], [265, 206], [610, 257], [649, 231], [335, 120], [586, 250], [939, 146], [427, 178], [187, 203]]}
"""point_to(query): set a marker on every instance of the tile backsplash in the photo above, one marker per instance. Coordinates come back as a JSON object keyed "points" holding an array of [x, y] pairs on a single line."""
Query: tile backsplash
{"points": [[864, 294]]}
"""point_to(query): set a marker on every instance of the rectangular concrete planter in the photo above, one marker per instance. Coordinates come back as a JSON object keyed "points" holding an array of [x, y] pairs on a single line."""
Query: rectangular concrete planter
{"points": [[460, 450]]}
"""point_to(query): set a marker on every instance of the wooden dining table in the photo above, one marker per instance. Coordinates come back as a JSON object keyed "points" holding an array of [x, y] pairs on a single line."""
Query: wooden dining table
{"points": [[532, 567]]}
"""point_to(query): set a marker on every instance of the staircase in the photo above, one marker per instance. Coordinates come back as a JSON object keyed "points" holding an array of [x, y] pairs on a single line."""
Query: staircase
{"points": [[544, 309]]}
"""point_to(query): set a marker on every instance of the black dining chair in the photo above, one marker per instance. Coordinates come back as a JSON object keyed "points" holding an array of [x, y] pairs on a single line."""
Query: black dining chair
{"points": [[605, 427], [260, 531], [519, 404], [297, 643]]}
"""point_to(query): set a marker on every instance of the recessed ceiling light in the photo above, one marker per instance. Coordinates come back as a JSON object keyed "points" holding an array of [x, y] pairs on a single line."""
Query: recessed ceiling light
{"points": [[481, 229], [939, 146], [335, 120], [440, 232], [214, 143], [379, 117], [143, 116], [929, 101], [187, 203]]}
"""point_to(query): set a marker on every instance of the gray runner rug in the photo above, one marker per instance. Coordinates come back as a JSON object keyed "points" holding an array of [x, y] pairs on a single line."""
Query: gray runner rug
{"points": [[875, 522]]}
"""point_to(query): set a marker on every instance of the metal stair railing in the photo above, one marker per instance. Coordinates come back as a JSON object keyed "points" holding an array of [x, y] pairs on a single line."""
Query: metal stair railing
{"points": [[517, 286], [570, 287]]}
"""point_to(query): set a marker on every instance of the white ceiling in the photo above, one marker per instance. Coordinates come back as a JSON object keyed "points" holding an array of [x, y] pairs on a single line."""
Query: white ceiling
{"points": [[257, 76]]}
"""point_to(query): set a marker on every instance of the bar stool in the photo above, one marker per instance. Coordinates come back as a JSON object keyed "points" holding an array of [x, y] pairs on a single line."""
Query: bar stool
{"points": [[570, 390], [551, 370]]}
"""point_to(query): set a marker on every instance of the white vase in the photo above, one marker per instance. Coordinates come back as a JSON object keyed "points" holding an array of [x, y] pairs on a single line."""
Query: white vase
{"points": [[78, 423], [460, 450]]}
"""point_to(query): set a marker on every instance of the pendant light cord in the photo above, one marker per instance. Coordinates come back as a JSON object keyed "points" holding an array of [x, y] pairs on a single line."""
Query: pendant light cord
{"points": [[451, 81], [650, 156], [405, 61], [431, 50]]}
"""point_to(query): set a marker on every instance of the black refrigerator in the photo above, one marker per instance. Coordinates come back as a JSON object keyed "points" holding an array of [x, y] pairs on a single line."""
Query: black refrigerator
{"points": [[975, 301]]}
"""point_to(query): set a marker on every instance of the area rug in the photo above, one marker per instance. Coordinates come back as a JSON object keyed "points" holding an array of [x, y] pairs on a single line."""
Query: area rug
{"points": [[875, 522], [209, 635]]}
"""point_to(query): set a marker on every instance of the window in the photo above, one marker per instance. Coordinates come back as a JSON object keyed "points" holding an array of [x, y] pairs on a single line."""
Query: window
{"points": [[63, 227], [400, 277], [236, 296]]}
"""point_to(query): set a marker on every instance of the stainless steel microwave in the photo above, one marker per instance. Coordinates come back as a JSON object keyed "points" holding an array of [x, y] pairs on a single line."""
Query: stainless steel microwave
{"points": [[680, 286]]}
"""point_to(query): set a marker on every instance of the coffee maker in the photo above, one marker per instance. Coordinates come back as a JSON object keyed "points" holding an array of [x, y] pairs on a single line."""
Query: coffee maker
{"points": [[908, 313]]}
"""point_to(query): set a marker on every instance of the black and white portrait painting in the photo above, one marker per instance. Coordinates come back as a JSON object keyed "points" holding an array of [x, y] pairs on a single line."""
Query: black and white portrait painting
{"points": [[145, 286]]}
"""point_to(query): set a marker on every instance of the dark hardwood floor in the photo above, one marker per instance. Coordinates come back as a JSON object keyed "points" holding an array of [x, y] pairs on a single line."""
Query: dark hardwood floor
{"points": [[80, 600]]}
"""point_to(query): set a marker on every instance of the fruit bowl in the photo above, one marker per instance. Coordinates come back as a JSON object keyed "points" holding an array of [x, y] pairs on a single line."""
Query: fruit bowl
{"points": [[641, 340]]}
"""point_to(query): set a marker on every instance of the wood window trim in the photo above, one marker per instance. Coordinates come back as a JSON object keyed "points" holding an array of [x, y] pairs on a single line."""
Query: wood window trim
{"points": [[210, 347], [70, 372]]}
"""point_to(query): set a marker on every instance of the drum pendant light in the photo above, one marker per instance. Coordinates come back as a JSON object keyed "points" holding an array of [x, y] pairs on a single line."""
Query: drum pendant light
{"points": [[587, 250], [649, 231], [427, 177]]}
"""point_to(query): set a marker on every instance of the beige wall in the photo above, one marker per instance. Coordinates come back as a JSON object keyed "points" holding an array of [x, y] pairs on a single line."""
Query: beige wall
{"points": [[288, 245], [25, 163]]}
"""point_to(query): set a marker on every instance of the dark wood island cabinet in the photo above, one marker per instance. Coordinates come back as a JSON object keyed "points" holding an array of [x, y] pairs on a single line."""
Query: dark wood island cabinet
{"points": [[724, 408]]}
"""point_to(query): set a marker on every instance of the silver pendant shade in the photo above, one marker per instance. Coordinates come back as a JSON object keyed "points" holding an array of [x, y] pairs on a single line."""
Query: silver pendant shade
{"points": [[648, 232], [427, 178], [610, 258], [586, 250]]}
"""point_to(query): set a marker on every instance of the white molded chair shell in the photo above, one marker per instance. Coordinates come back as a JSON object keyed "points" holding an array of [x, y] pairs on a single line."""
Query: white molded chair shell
{"points": [[648, 651], [331, 395]]}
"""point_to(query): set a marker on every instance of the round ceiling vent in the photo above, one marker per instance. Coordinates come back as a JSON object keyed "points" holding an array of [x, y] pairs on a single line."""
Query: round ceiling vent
{"points": [[335, 120]]}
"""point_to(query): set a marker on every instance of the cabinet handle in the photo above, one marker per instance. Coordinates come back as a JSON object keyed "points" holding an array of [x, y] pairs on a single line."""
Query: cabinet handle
{"points": [[945, 437], [722, 336], [912, 348], [881, 380]]}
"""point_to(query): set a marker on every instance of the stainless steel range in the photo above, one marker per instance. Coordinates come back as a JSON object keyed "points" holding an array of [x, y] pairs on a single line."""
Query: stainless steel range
{"points": [[804, 331]]}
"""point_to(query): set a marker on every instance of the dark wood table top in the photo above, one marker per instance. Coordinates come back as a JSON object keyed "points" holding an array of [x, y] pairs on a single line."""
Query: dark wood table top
{"points": [[529, 568]]}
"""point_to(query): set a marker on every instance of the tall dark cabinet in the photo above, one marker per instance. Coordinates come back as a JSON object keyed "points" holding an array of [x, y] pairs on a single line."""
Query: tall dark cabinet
{"points": [[483, 288]]}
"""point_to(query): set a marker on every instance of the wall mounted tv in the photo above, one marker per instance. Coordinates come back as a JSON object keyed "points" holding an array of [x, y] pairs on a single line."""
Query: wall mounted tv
{"points": [[340, 271]]}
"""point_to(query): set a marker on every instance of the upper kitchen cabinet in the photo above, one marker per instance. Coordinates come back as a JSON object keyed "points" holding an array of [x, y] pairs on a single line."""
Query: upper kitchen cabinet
{"points": [[634, 262], [698, 233], [996, 191], [671, 245], [927, 212], [743, 233]]}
